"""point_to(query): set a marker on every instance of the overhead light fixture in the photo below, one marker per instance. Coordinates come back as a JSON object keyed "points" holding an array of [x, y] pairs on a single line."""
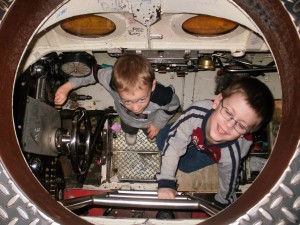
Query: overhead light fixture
{"points": [[208, 25], [88, 26]]}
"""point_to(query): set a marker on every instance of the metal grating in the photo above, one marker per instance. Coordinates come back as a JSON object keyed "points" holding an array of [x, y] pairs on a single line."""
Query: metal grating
{"points": [[139, 162]]}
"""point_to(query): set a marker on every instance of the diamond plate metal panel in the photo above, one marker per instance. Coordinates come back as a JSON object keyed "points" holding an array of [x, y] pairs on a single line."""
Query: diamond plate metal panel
{"points": [[139, 162], [282, 204], [15, 208], [142, 144]]}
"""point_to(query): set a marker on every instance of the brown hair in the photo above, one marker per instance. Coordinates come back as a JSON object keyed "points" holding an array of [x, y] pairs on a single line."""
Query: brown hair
{"points": [[132, 70], [256, 93]]}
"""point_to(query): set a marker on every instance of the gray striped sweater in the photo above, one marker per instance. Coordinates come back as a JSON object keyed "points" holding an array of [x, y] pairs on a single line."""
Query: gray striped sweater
{"points": [[163, 102], [189, 129]]}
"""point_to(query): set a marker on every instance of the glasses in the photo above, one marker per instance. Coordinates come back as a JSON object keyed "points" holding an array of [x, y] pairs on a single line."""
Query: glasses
{"points": [[227, 115]]}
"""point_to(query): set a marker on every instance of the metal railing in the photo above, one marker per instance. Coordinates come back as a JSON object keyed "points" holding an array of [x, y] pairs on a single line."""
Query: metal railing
{"points": [[142, 199]]}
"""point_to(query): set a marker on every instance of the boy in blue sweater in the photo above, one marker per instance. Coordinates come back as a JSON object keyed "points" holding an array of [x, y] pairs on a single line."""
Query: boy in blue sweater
{"points": [[140, 101], [216, 131]]}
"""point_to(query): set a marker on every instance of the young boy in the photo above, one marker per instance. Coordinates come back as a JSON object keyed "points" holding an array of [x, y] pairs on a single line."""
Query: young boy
{"points": [[140, 101], [216, 131]]}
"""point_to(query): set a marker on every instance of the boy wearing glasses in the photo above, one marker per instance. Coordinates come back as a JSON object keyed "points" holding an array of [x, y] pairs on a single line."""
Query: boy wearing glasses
{"points": [[140, 101], [216, 131]]}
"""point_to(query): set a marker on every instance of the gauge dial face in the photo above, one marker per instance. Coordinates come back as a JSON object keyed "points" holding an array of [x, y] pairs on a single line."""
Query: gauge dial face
{"points": [[77, 69]]}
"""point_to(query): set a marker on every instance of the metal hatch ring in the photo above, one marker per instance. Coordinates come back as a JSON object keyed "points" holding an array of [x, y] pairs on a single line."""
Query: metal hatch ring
{"points": [[279, 177]]}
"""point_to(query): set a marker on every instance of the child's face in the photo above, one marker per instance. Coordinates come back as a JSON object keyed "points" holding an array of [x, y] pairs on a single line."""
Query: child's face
{"points": [[137, 99], [243, 119]]}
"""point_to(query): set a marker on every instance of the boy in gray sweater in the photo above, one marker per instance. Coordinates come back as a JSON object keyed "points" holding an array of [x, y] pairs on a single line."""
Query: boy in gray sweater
{"points": [[140, 101], [216, 131]]}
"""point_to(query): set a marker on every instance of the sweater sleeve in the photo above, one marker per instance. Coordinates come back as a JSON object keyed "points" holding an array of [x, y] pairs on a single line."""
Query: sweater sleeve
{"points": [[175, 146], [168, 106], [77, 82], [227, 183], [103, 77], [228, 171]]}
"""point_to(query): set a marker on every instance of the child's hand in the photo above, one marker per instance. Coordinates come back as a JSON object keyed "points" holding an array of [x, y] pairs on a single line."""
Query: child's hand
{"points": [[152, 131], [62, 93], [166, 193]]}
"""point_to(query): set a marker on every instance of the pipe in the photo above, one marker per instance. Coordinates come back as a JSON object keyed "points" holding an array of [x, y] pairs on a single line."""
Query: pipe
{"points": [[136, 201], [118, 195], [262, 69]]}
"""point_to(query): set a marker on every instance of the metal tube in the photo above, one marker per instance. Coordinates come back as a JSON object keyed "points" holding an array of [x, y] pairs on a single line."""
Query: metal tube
{"points": [[140, 192], [100, 200], [133, 201], [148, 203], [262, 69], [137, 192], [120, 195]]}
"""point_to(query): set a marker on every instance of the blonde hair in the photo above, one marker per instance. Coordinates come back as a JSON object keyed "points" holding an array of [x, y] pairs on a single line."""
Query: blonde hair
{"points": [[131, 71]]}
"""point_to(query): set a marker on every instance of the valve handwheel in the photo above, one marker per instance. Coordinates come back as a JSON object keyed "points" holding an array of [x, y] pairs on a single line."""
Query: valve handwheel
{"points": [[80, 138]]}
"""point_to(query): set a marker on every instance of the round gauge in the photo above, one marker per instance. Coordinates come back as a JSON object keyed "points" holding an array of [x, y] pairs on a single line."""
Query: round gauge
{"points": [[76, 69], [78, 64]]}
